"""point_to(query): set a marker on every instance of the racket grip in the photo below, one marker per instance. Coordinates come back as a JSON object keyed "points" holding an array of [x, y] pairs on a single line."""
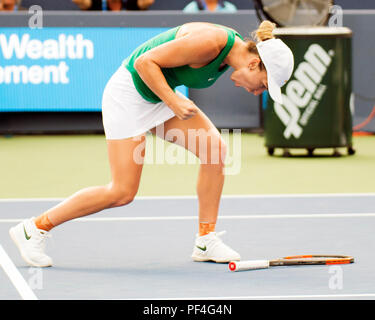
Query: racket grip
{"points": [[248, 265]]}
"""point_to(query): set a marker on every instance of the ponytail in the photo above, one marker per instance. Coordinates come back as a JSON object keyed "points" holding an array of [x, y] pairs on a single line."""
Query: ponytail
{"points": [[264, 31]]}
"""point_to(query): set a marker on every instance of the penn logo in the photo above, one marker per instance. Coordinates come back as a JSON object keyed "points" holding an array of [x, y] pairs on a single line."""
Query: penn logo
{"points": [[304, 91]]}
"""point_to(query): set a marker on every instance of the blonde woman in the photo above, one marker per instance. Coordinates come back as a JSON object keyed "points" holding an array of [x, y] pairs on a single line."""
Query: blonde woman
{"points": [[140, 96]]}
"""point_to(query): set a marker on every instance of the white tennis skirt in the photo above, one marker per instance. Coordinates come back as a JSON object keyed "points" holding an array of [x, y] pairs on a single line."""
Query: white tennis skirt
{"points": [[125, 112]]}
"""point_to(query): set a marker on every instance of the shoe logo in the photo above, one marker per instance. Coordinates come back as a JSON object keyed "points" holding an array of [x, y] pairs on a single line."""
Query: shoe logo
{"points": [[26, 235], [211, 79], [202, 248]]}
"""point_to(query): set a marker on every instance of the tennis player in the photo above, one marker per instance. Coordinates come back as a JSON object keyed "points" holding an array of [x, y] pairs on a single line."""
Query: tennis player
{"points": [[140, 97]]}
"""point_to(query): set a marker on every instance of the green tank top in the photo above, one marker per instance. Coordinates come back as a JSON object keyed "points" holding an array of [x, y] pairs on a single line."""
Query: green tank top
{"points": [[184, 75]]}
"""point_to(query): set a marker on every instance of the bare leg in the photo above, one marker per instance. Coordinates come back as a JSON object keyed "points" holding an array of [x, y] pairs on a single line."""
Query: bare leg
{"points": [[201, 137], [126, 173]]}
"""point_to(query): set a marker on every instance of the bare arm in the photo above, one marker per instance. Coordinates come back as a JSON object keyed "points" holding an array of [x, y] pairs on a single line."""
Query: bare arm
{"points": [[83, 4], [193, 48]]}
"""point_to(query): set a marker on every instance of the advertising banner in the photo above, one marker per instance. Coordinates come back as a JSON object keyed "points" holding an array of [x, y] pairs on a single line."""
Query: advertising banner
{"points": [[63, 69]]}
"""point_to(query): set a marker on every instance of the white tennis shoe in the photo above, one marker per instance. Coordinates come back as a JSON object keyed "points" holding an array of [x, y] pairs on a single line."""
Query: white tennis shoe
{"points": [[30, 241], [211, 248]]}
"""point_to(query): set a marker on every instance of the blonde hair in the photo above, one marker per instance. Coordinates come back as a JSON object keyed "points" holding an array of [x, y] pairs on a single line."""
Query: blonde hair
{"points": [[263, 33]]}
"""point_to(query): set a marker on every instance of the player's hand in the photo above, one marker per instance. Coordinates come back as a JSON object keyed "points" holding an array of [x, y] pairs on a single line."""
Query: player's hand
{"points": [[184, 109], [83, 4], [144, 4]]}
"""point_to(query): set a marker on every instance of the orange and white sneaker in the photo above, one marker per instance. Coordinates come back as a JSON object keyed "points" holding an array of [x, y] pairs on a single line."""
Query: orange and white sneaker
{"points": [[211, 248], [30, 241]]}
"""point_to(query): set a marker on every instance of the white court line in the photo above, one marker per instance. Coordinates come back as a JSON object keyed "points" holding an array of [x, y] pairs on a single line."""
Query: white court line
{"points": [[234, 196], [302, 296], [223, 217], [234, 217], [15, 277]]}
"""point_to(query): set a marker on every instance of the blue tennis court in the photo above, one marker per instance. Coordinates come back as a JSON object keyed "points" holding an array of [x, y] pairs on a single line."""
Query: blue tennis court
{"points": [[142, 251]]}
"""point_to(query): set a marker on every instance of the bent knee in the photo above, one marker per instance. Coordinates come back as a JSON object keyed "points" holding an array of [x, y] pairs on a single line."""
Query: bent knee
{"points": [[121, 197], [215, 152]]}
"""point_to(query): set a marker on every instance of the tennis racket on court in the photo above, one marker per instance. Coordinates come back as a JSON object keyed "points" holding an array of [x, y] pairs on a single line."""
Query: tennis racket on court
{"points": [[290, 261]]}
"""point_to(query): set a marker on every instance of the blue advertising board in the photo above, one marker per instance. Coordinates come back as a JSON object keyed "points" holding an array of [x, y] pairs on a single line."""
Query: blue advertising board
{"points": [[63, 69]]}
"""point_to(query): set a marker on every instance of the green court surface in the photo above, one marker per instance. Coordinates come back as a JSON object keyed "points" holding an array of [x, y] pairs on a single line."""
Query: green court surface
{"points": [[57, 166]]}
